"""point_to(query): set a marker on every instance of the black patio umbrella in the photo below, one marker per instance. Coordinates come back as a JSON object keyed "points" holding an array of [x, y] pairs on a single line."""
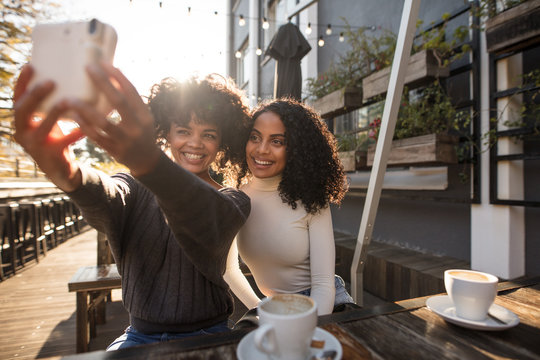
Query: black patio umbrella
{"points": [[288, 47]]}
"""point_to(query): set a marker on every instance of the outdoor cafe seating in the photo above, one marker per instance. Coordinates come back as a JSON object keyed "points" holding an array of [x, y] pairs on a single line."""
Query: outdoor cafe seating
{"points": [[30, 227]]}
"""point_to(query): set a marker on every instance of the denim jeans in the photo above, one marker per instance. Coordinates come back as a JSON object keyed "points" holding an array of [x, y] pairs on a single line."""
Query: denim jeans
{"points": [[132, 337], [342, 296]]}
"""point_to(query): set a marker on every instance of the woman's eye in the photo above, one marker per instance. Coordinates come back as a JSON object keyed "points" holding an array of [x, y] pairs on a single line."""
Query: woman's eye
{"points": [[182, 132], [253, 137], [210, 136], [278, 142]]}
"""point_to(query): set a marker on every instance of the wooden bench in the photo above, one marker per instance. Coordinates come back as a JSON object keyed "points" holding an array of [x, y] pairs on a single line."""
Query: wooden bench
{"points": [[93, 285]]}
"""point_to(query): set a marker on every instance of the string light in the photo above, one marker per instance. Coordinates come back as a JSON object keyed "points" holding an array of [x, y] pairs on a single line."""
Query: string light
{"points": [[241, 21], [189, 10], [265, 24], [238, 54], [160, 4], [341, 37], [321, 41], [258, 52], [308, 29], [329, 30]]}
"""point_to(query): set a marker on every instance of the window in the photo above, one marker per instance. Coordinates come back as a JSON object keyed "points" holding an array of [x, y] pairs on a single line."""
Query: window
{"points": [[242, 71]]}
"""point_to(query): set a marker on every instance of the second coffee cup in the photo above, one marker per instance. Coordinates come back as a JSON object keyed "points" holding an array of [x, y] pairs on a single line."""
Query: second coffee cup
{"points": [[472, 292], [287, 323]]}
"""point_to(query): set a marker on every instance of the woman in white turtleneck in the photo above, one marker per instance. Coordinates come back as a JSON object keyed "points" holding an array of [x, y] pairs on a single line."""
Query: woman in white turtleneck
{"points": [[287, 241]]}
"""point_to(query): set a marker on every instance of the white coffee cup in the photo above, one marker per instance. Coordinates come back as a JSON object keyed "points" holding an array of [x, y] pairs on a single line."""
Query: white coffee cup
{"points": [[287, 323], [472, 292]]}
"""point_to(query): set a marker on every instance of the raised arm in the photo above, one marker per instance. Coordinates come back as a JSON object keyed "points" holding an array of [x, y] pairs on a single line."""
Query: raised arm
{"points": [[203, 220]]}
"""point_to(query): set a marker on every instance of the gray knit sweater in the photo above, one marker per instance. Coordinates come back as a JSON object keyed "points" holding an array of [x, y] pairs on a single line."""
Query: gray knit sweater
{"points": [[170, 233]]}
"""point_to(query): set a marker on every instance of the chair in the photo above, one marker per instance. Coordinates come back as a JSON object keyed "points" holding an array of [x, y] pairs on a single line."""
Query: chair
{"points": [[25, 246], [48, 223], [32, 210], [6, 256]]}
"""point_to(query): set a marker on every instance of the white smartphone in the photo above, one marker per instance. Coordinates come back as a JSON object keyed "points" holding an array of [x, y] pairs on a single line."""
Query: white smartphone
{"points": [[60, 53]]}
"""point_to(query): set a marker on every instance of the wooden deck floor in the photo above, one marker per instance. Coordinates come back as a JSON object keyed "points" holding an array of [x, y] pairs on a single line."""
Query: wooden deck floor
{"points": [[37, 313]]}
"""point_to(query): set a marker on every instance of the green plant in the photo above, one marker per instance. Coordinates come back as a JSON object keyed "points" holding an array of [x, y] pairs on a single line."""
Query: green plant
{"points": [[436, 40], [353, 141], [425, 111], [368, 53]]}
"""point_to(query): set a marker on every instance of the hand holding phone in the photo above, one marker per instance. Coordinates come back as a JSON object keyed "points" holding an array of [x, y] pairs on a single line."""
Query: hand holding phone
{"points": [[60, 52]]}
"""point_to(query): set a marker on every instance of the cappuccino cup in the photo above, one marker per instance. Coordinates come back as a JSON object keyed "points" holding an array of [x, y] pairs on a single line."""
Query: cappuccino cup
{"points": [[287, 323], [472, 292]]}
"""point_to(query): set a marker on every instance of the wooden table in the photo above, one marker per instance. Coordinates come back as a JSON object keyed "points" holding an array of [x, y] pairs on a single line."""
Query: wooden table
{"points": [[403, 330], [93, 284]]}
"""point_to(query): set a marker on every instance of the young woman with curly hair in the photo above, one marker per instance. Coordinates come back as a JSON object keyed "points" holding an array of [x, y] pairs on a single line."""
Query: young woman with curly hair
{"points": [[169, 225], [294, 175]]}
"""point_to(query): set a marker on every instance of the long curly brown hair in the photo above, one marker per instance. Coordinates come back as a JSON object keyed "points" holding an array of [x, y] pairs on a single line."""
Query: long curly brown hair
{"points": [[214, 100], [313, 173]]}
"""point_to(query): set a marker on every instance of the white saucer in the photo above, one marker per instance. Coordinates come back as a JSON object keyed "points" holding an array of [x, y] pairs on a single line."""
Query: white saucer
{"points": [[247, 350], [443, 306]]}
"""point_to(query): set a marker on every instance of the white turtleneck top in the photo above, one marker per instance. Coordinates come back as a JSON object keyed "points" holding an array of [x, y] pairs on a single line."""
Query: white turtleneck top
{"points": [[286, 250]]}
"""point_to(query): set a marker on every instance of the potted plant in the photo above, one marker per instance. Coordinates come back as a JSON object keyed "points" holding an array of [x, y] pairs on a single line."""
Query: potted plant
{"points": [[352, 150], [513, 28], [425, 129], [339, 89], [429, 61]]}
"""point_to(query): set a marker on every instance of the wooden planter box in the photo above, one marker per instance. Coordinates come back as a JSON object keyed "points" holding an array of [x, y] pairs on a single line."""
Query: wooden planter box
{"points": [[422, 69], [353, 160], [347, 159], [428, 149], [514, 29], [338, 102]]}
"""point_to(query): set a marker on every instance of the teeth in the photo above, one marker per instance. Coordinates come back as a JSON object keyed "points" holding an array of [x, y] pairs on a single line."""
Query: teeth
{"points": [[261, 162], [193, 156]]}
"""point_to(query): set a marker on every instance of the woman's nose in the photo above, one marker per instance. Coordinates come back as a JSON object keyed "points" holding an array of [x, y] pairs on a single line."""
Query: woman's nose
{"points": [[263, 147], [194, 141]]}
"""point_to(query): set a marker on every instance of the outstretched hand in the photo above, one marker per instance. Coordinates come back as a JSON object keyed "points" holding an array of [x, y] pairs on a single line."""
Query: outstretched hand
{"points": [[131, 141], [42, 138]]}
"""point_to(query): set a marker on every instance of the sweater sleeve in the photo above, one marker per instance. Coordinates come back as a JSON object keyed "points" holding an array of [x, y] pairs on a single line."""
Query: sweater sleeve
{"points": [[237, 280], [103, 200], [203, 220], [322, 261]]}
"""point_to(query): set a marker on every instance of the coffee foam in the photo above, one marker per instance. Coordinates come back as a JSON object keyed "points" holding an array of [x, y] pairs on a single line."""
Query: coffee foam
{"points": [[469, 275], [287, 305]]}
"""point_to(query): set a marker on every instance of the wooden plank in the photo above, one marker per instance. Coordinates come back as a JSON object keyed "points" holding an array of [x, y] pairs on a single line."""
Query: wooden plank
{"points": [[425, 149], [338, 102], [90, 278], [514, 29], [422, 68]]}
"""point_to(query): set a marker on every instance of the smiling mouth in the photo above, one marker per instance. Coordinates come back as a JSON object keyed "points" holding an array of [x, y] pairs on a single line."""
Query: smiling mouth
{"points": [[262, 162], [191, 156]]}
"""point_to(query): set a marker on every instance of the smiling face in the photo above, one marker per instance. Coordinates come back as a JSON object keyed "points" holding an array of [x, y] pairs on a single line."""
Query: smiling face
{"points": [[194, 146], [266, 148]]}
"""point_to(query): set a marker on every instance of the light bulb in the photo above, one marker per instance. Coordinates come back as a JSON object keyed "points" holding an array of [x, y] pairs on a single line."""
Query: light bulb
{"points": [[321, 41], [265, 24], [308, 29], [241, 21], [238, 54], [341, 37], [258, 52], [329, 30]]}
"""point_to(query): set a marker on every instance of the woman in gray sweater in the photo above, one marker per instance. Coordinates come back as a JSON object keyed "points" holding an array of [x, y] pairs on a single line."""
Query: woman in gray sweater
{"points": [[171, 258]]}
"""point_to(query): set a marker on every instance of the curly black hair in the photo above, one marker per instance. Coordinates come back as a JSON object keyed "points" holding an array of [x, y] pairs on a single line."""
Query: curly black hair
{"points": [[214, 100], [313, 173]]}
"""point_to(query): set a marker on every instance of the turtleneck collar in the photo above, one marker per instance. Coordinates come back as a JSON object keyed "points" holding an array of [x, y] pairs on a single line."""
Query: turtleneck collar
{"points": [[266, 184]]}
